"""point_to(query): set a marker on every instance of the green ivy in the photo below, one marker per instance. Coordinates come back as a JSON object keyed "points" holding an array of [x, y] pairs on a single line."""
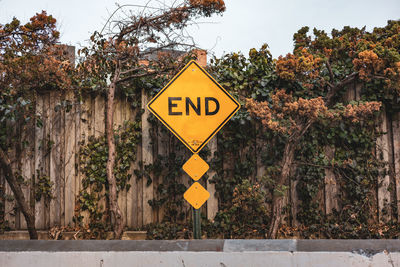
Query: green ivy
{"points": [[93, 161], [43, 187]]}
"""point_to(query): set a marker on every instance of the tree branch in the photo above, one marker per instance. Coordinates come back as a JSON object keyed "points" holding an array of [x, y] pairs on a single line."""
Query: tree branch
{"points": [[10, 175], [141, 75], [131, 70], [328, 65], [333, 91]]}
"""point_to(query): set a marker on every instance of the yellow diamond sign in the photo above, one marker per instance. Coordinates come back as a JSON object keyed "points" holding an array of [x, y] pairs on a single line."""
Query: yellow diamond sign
{"points": [[193, 106], [196, 195], [195, 167]]}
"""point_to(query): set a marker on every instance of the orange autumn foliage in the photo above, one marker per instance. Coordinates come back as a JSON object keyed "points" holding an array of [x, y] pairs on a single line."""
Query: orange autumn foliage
{"points": [[30, 58], [302, 66], [284, 113], [368, 63], [218, 5]]}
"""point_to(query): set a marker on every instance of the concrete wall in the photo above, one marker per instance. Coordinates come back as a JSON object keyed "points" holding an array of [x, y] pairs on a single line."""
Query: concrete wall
{"points": [[201, 253]]}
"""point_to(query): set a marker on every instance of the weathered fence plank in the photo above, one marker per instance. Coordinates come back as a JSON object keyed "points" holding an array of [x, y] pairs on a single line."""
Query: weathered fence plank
{"points": [[46, 144], [61, 159], [212, 202], [98, 119], [9, 207], [162, 152], [147, 158], [86, 130], [124, 119], [39, 158], [294, 198], [28, 165], [119, 118], [55, 166], [382, 148], [396, 157], [15, 157], [78, 137], [2, 197], [331, 186], [69, 159], [137, 201], [131, 195]]}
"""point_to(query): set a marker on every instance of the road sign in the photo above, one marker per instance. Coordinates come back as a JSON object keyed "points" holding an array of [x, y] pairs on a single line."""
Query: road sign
{"points": [[196, 195], [195, 167], [193, 106]]}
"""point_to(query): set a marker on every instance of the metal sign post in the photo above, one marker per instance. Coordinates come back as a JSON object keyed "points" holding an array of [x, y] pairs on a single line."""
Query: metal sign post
{"points": [[196, 224], [194, 107]]}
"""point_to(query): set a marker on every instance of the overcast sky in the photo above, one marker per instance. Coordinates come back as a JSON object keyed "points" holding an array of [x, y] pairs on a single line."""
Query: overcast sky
{"points": [[244, 25]]}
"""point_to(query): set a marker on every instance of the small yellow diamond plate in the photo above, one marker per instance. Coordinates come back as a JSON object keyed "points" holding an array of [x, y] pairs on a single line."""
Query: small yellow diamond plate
{"points": [[195, 167], [196, 195]]}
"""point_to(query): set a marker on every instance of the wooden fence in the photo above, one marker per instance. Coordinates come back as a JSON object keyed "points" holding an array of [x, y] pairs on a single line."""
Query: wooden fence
{"points": [[53, 151]]}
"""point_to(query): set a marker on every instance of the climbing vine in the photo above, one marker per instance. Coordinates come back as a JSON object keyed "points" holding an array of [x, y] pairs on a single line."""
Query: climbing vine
{"points": [[93, 158]]}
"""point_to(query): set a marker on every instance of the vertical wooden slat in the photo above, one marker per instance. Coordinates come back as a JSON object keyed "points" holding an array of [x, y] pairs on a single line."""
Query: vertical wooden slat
{"points": [[212, 202], [46, 154], [12, 211], [15, 157], [28, 166], [119, 117], [99, 117], [85, 130], [350, 93], [2, 198], [382, 148], [39, 133], [61, 133], [331, 186], [55, 166], [357, 93], [9, 207], [138, 201], [78, 138], [260, 172], [156, 179], [99, 130], [131, 202], [293, 196], [124, 193], [138, 220], [117, 123], [117, 113], [53, 161], [147, 158], [391, 152], [396, 157], [162, 151], [69, 160]]}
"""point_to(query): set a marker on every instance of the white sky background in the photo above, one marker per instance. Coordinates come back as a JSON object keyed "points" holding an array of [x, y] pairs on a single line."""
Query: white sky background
{"points": [[244, 25]]}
